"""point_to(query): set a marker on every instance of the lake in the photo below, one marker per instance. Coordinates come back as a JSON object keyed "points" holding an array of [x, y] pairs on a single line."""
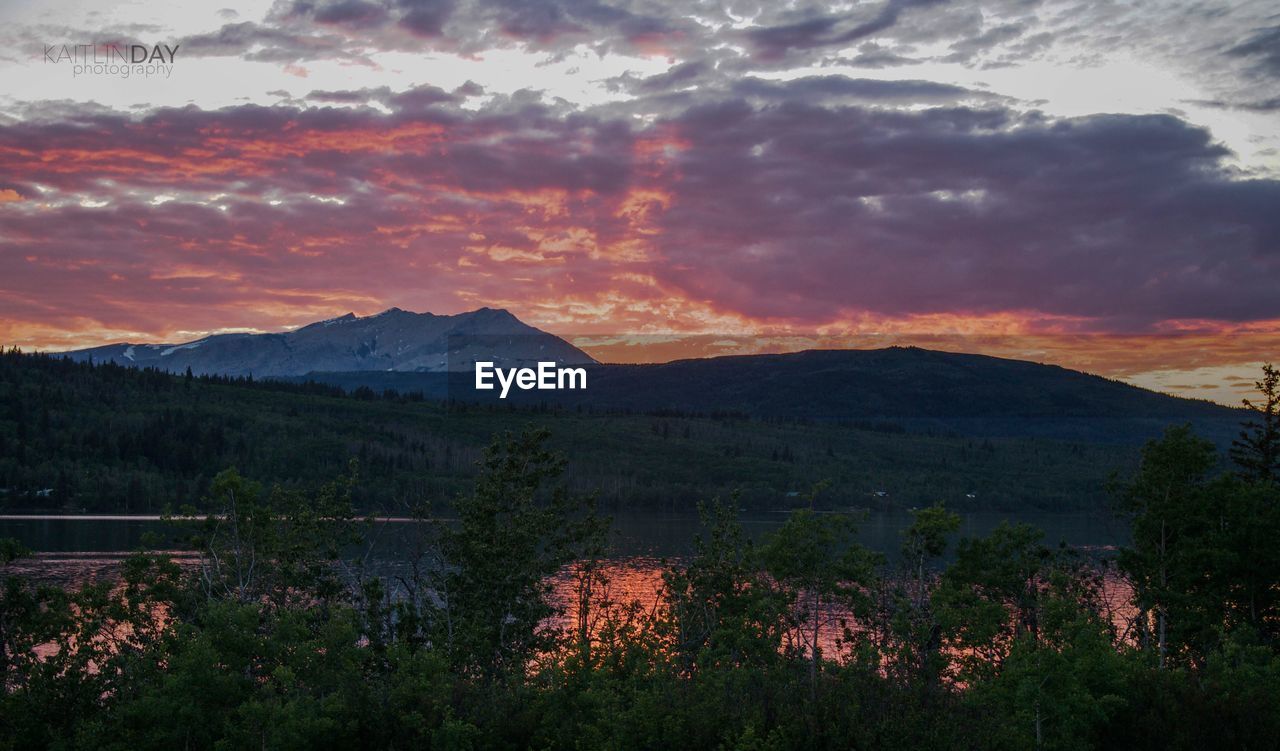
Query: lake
{"points": [[82, 547]]}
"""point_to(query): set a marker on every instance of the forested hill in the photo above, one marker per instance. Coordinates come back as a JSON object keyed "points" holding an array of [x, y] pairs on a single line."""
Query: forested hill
{"points": [[76, 436], [908, 388]]}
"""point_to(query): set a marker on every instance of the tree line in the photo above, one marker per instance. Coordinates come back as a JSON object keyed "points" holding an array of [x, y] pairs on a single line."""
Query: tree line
{"points": [[77, 437]]}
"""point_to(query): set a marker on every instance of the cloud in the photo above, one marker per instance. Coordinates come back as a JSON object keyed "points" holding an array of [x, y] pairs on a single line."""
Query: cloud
{"points": [[262, 42], [830, 89], [351, 14], [801, 203], [772, 42], [1262, 50], [425, 18], [677, 77], [1124, 219], [307, 30]]}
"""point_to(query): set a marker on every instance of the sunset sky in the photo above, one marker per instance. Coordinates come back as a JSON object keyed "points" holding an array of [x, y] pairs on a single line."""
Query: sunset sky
{"points": [[1091, 184]]}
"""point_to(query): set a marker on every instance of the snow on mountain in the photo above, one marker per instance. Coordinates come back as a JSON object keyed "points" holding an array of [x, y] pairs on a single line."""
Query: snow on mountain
{"points": [[393, 340]]}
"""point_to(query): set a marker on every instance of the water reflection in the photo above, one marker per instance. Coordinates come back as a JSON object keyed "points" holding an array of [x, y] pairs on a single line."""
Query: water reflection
{"points": [[77, 550], [635, 533]]}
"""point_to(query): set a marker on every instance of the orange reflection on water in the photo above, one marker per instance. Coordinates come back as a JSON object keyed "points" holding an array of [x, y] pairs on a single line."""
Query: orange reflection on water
{"points": [[607, 602]]}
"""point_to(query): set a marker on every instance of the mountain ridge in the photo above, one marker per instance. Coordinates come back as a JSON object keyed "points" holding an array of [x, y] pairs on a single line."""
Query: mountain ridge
{"points": [[895, 388], [393, 340]]}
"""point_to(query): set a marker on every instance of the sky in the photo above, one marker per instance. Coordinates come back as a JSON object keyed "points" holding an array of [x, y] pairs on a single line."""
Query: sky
{"points": [[1092, 184]]}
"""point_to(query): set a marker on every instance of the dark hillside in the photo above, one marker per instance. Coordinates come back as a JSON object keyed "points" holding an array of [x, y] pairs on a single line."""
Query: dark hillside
{"points": [[109, 438], [911, 389]]}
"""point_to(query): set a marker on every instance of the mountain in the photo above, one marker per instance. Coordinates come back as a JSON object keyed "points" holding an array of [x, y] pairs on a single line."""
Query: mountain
{"points": [[897, 388], [895, 382], [892, 389], [393, 340]]}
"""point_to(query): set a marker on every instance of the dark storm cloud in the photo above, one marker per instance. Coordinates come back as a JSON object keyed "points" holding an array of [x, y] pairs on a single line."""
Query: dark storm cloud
{"points": [[1123, 218], [765, 199]]}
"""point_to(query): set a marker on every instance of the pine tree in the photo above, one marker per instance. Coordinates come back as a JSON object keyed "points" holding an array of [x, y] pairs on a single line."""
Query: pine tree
{"points": [[1257, 451]]}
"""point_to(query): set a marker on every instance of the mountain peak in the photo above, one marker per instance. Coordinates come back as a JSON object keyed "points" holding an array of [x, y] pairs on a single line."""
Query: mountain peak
{"points": [[481, 312], [488, 312], [395, 340], [329, 322]]}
